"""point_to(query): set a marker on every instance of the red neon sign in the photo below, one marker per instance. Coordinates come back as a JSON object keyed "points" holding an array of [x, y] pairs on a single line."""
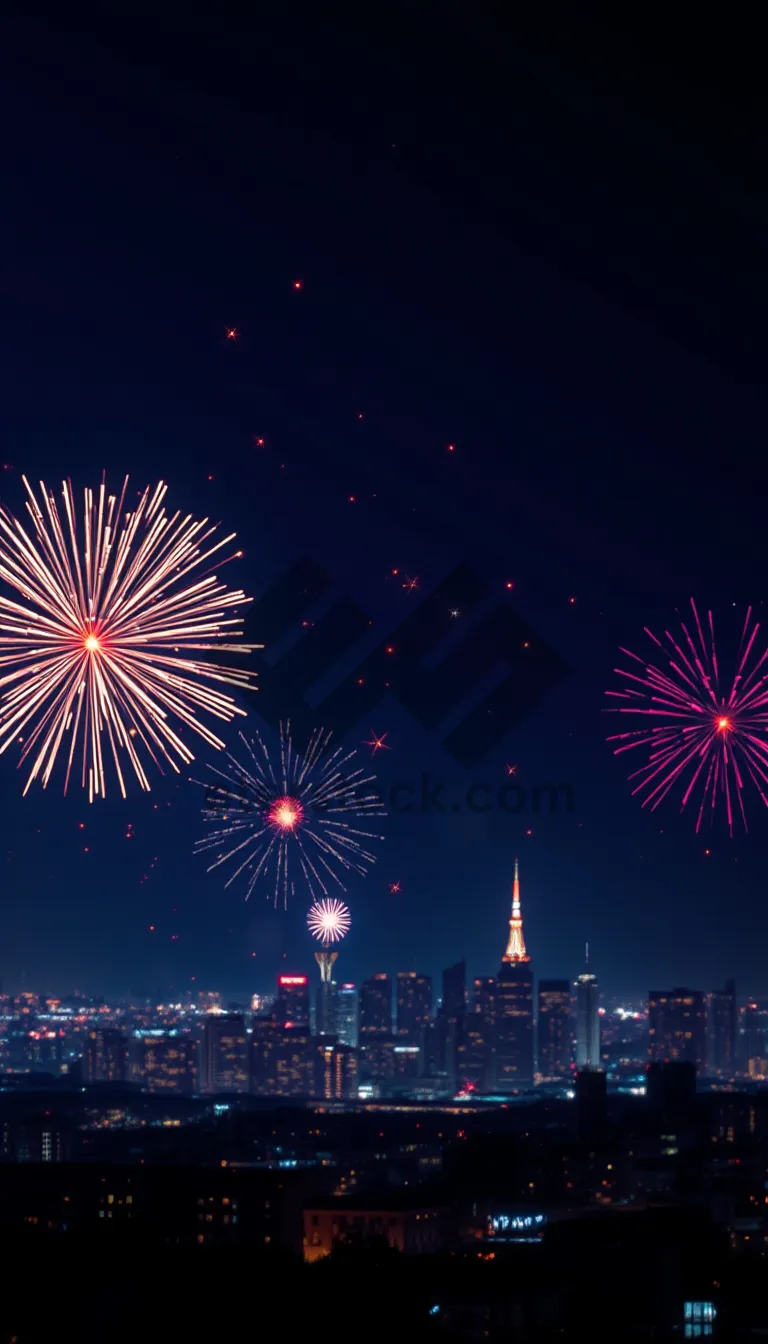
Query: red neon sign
{"points": [[292, 980]]}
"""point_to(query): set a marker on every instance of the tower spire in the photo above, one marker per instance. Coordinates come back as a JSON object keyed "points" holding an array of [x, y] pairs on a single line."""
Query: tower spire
{"points": [[516, 944]]}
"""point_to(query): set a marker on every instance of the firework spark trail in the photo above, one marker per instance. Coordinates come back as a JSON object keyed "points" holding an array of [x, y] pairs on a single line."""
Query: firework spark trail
{"points": [[260, 814], [712, 739], [329, 921], [92, 649]]}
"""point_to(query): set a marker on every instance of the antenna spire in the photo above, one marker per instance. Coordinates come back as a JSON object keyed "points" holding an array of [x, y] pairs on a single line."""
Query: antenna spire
{"points": [[516, 944]]}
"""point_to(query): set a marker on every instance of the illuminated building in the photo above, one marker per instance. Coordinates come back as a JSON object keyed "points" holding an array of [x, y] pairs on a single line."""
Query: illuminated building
{"points": [[166, 1063], [208, 1001], [414, 1005], [677, 1026], [282, 1059], [294, 1062], [377, 1062], [224, 1053], [106, 1056], [262, 1004], [264, 1048], [555, 1028], [476, 1053], [335, 1072], [346, 1015], [721, 1043], [514, 1006], [292, 1004], [376, 1007], [587, 1019]]}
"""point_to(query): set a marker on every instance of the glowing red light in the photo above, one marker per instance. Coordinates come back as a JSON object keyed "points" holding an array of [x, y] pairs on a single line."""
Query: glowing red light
{"points": [[451, 447], [510, 584], [231, 333], [292, 980], [298, 284], [285, 814]]}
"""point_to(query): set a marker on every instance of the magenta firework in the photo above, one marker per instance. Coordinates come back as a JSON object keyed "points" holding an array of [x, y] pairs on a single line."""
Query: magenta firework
{"points": [[703, 735]]}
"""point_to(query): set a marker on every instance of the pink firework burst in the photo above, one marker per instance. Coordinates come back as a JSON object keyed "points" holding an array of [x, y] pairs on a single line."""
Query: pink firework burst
{"points": [[329, 921], [705, 734]]}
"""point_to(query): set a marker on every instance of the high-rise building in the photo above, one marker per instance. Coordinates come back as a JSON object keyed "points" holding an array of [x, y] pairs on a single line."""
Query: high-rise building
{"points": [[166, 1063], [224, 1053], [514, 1005], [346, 1015], [555, 1028], [476, 1052], [376, 1007], [414, 1005], [294, 1063], [209, 1001], [587, 1019], [335, 1070], [721, 1042], [281, 1059], [292, 1006], [327, 1008], [450, 1019], [106, 1056], [677, 1026]]}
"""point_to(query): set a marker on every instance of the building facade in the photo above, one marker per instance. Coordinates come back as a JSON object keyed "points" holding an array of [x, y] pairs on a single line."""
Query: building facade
{"points": [[555, 1028], [514, 1006], [677, 1026]]}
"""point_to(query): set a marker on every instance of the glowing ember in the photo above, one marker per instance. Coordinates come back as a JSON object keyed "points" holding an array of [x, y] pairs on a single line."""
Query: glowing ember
{"points": [[285, 814]]}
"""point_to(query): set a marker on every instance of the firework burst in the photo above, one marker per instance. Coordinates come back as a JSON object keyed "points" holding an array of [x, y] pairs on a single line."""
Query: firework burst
{"points": [[94, 663], [329, 921], [707, 735], [263, 812]]}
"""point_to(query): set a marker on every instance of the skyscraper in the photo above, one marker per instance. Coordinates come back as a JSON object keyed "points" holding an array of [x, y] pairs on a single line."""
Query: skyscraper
{"points": [[225, 1053], [450, 1019], [514, 1005], [721, 1043], [346, 1015], [477, 1048], [166, 1062], [414, 1006], [677, 1026], [555, 1028], [106, 1056], [293, 1000], [587, 1019], [376, 1007]]}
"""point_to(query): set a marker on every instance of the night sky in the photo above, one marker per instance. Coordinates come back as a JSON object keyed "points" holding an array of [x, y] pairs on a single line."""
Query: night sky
{"points": [[547, 251]]}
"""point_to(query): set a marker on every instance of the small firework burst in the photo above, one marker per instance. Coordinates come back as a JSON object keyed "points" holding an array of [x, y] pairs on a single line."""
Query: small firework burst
{"points": [[265, 811], [706, 734], [329, 921]]}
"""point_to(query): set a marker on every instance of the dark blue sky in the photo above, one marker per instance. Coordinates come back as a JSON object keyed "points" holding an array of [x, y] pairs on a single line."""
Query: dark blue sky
{"points": [[548, 251]]}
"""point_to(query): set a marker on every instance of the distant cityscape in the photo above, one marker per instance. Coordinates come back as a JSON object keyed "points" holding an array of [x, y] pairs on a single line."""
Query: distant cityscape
{"points": [[512, 1136], [502, 1036]]}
